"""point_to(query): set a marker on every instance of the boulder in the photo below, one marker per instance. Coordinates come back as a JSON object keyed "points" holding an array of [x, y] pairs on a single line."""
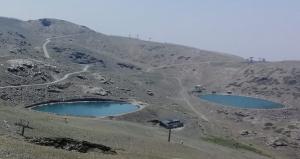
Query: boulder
{"points": [[245, 133], [241, 114], [129, 66], [99, 77], [96, 91], [278, 142], [295, 135]]}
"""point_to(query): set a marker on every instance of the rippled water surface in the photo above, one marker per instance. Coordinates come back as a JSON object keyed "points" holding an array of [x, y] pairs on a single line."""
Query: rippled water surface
{"points": [[241, 101], [89, 109]]}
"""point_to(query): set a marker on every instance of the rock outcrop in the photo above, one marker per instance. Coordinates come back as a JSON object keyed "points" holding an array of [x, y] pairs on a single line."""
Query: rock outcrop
{"points": [[72, 145]]}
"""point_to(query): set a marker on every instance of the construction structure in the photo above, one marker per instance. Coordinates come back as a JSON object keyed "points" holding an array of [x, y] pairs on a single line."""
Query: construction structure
{"points": [[199, 88], [171, 124], [23, 124]]}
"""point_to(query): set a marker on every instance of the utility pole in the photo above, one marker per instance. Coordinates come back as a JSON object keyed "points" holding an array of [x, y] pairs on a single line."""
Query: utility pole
{"points": [[46, 92], [251, 59], [24, 125], [21, 94], [169, 137]]}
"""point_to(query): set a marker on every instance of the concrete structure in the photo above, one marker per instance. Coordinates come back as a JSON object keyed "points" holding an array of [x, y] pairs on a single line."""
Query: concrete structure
{"points": [[171, 124]]}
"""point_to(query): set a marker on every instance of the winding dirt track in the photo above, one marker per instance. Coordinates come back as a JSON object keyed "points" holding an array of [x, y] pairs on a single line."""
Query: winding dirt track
{"points": [[185, 96], [166, 66], [48, 40], [183, 91], [49, 83], [66, 76]]}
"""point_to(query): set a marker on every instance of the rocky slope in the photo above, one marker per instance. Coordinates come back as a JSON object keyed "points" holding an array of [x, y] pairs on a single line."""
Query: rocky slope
{"points": [[49, 60]]}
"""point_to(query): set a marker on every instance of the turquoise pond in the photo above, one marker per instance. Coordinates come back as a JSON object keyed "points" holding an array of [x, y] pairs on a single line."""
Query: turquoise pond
{"points": [[88, 109], [240, 101]]}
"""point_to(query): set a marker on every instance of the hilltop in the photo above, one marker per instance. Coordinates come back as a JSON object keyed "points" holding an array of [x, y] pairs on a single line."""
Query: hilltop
{"points": [[54, 60]]}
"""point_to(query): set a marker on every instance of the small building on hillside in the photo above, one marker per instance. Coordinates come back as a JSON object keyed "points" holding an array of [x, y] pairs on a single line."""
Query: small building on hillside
{"points": [[171, 124], [229, 92], [199, 88]]}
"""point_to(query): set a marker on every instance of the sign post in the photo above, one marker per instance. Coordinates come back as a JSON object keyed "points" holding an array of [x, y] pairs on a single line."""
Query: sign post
{"points": [[169, 138], [24, 125]]}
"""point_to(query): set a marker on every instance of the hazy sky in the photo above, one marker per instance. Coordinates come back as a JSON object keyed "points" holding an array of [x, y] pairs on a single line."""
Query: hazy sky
{"points": [[260, 28]]}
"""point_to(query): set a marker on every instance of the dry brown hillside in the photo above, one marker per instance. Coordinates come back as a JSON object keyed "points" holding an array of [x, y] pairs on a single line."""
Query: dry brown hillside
{"points": [[54, 60]]}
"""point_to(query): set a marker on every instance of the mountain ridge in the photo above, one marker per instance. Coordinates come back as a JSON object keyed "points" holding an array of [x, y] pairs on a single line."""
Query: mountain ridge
{"points": [[54, 60]]}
